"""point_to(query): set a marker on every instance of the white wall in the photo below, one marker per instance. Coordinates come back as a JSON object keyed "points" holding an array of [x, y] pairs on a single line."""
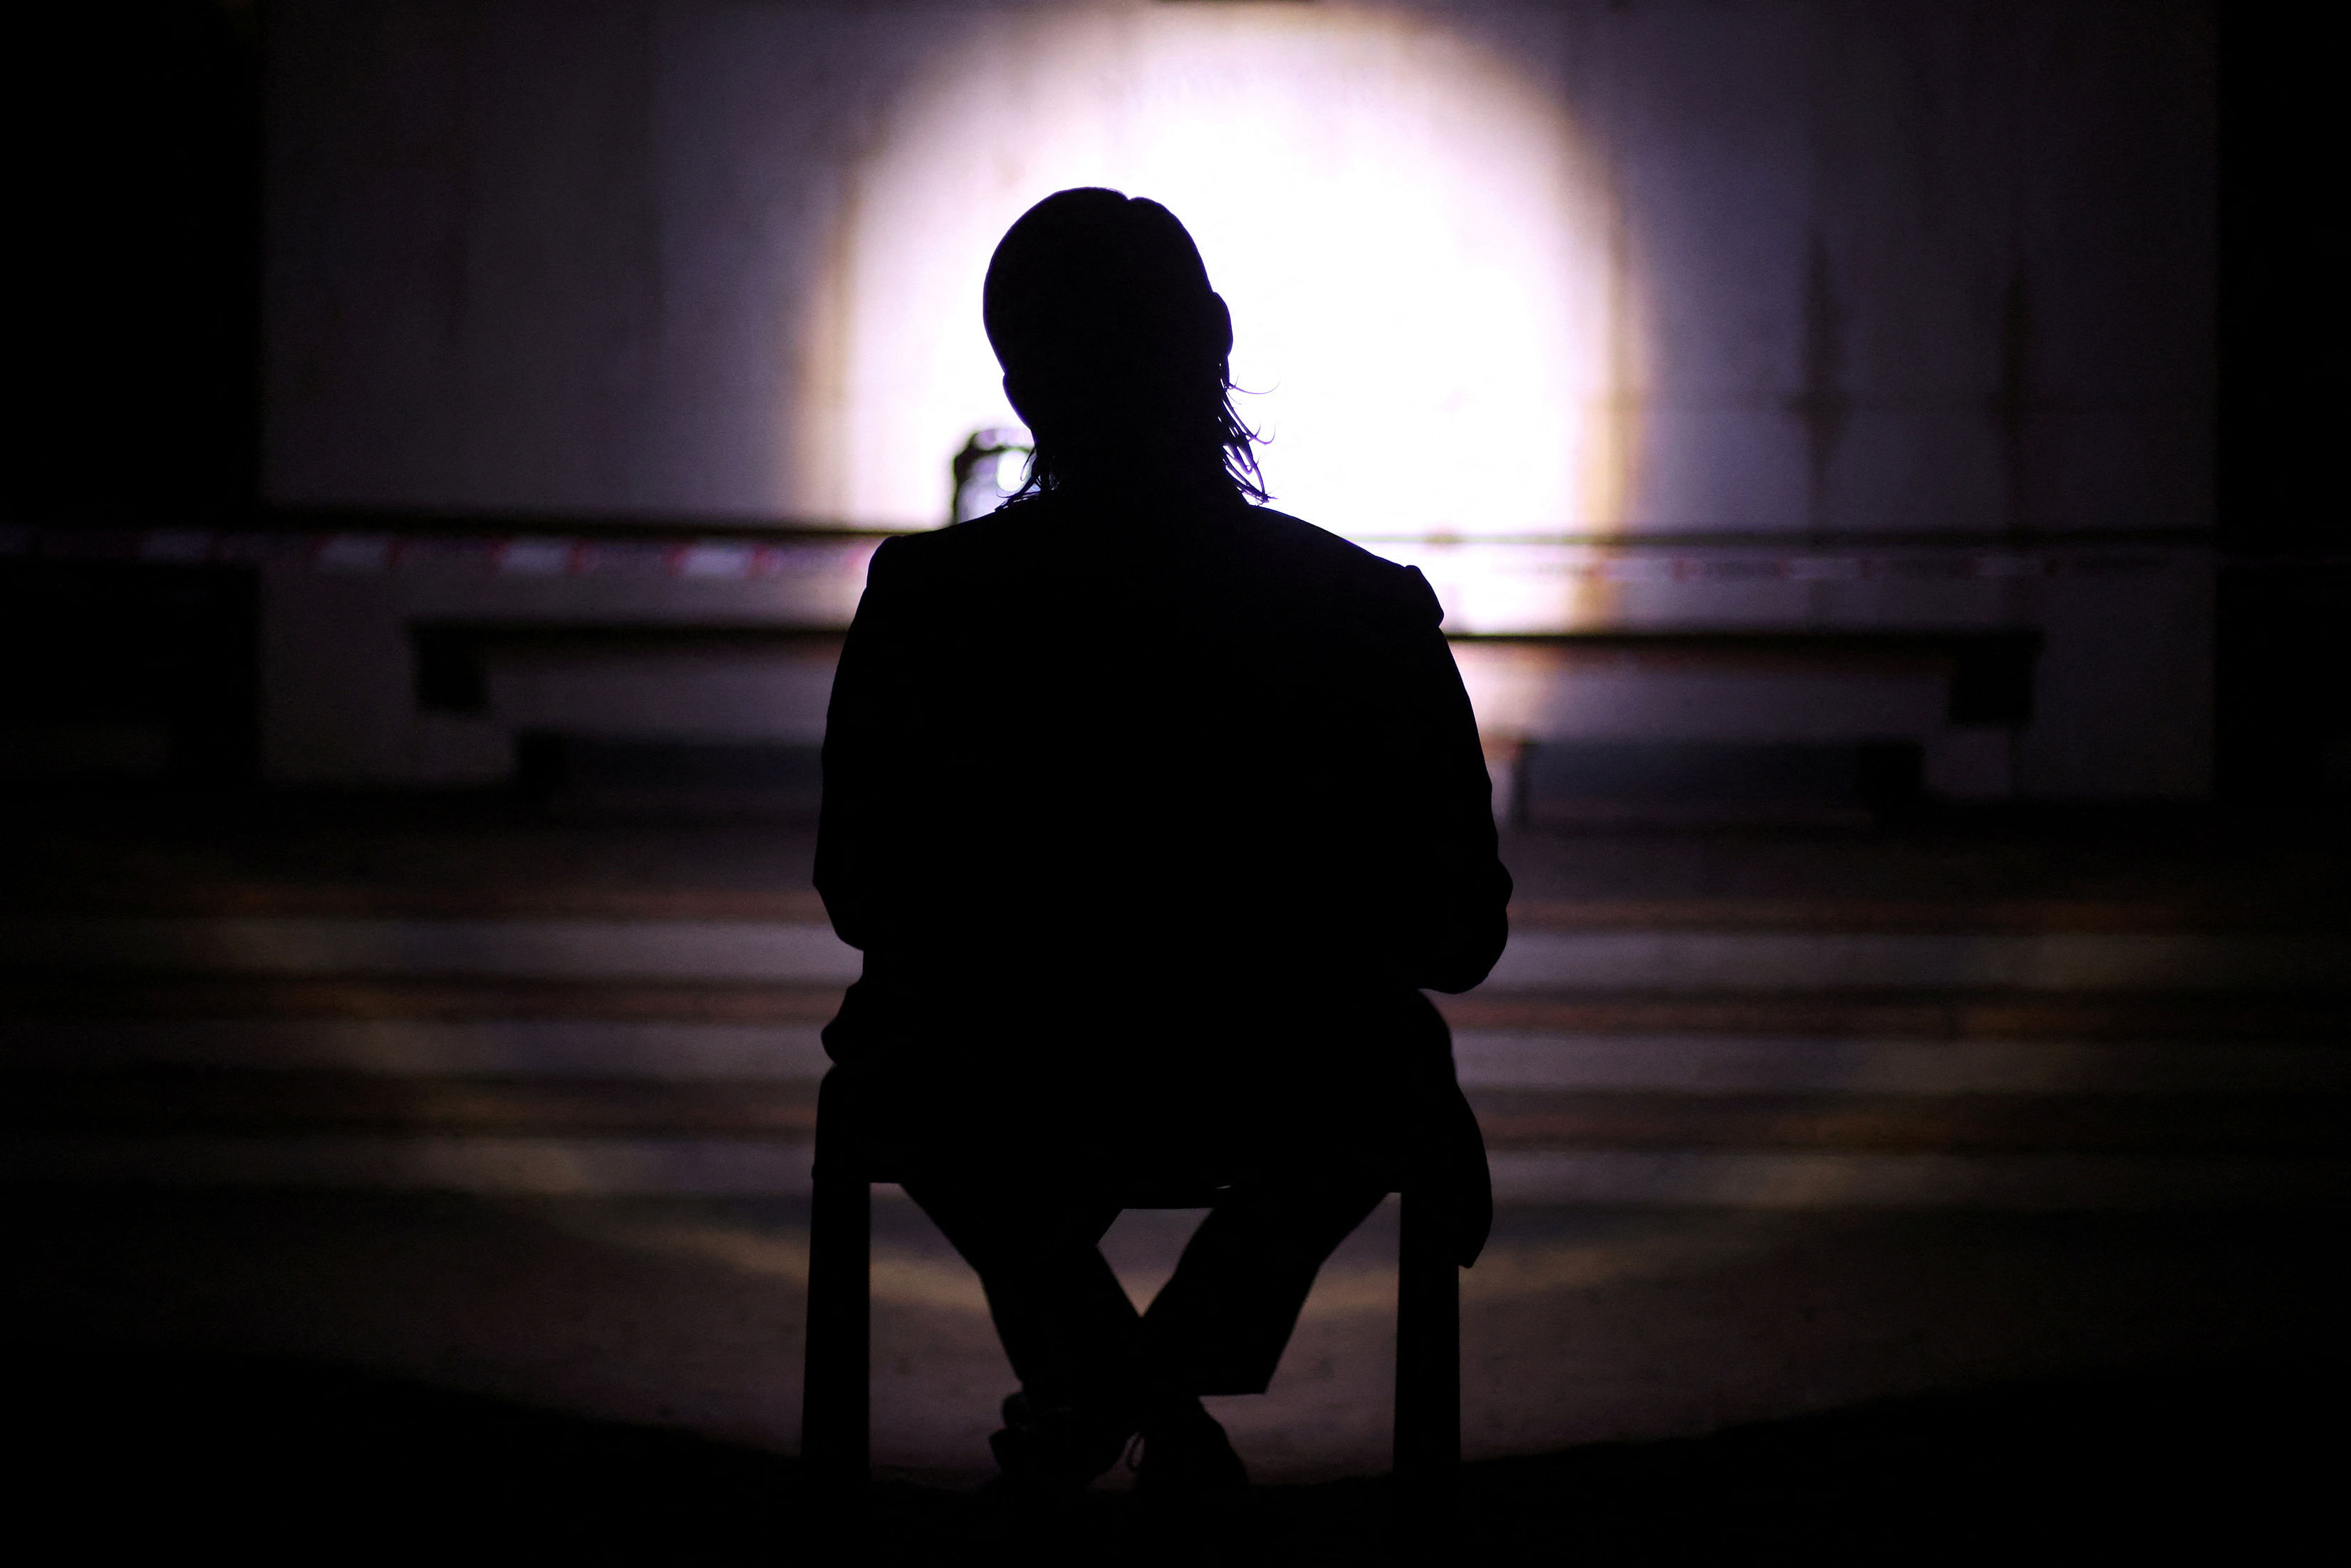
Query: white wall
{"points": [[599, 254], [1924, 270]]}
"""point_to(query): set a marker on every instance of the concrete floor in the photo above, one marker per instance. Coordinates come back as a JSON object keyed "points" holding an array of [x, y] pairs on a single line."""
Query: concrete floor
{"points": [[92, 849], [279, 1373], [1579, 1326], [1867, 1363], [144, 1456]]}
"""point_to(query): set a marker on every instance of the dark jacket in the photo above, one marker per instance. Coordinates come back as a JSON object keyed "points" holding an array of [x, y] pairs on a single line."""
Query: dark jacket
{"points": [[1152, 827]]}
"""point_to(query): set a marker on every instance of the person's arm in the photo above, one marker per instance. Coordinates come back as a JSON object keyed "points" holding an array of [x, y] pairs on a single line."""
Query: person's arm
{"points": [[858, 774], [1465, 892]]}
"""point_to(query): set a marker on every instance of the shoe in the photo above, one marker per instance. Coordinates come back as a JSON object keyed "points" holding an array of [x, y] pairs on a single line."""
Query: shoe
{"points": [[1058, 1448], [1186, 1456]]}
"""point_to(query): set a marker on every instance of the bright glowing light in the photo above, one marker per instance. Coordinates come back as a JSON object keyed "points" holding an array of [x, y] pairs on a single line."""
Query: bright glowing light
{"points": [[1416, 255], [1012, 468]]}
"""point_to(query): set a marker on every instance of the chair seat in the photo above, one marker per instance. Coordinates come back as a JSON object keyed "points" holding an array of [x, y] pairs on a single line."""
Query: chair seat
{"points": [[847, 1141]]}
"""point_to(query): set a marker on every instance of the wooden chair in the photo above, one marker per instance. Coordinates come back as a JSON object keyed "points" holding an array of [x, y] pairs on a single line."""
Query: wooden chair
{"points": [[835, 1412]]}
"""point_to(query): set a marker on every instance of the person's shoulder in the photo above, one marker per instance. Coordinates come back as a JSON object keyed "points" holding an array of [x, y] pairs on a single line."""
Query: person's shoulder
{"points": [[1012, 527], [1323, 559], [1281, 536], [907, 562]]}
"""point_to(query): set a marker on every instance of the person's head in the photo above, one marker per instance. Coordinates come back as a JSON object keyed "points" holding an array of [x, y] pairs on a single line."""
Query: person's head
{"points": [[1115, 349]]}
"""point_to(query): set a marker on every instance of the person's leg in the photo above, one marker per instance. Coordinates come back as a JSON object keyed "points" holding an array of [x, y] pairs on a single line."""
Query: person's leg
{"points": [[1073, 1336], [1220, 1324]]}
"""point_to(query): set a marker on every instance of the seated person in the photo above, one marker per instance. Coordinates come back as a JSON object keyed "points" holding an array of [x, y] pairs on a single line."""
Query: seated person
{"points": [[1154, 812]]}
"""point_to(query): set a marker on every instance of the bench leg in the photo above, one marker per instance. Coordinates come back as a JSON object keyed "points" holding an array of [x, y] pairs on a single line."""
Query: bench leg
{"points": [[1428, 1368], [835, 1414]]}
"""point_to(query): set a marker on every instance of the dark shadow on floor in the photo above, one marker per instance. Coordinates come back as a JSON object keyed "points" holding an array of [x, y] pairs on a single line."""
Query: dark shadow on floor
{"points": [[127, 1449]]}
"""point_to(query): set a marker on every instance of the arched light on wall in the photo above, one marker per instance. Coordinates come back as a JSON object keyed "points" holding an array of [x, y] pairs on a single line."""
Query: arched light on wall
{"points": [[1419, 259]]}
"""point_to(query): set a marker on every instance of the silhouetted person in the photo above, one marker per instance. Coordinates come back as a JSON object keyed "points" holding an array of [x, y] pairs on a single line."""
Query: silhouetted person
{"points": [[1154, 812]]}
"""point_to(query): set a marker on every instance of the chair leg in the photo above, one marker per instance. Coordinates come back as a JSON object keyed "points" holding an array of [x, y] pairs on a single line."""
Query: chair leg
{"points": [[1428, 1368], [835, 1412]]}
